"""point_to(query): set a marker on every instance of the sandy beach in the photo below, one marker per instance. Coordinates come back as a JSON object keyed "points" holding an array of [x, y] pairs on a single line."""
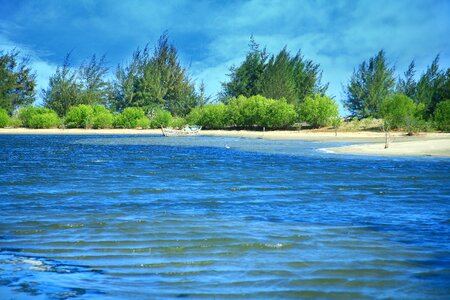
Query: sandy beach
{"points": [[369, 142]]}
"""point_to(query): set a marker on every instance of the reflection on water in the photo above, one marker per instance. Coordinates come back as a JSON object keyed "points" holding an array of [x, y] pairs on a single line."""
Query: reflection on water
{"points": [[204, 217]]}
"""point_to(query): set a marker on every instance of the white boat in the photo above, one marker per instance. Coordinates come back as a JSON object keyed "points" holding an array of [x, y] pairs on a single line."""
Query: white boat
{"points": [[186, 131]]}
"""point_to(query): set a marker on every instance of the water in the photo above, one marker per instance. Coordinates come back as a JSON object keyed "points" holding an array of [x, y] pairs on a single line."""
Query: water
{"points": [[202, 217]]}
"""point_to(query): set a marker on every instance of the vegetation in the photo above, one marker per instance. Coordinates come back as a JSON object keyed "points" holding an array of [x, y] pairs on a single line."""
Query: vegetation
{"points": [[400, 111], [17, 81], [155, 81], [258, 111], [131, 117], [4, 118], [319, 111], [38, 117], [276, 76], [161, 118], [270, 91], [442, 116], [211, 116], [369, 86]]}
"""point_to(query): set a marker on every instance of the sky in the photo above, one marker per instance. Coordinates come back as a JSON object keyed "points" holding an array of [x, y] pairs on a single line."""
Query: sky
{"points": [[211, 36]]}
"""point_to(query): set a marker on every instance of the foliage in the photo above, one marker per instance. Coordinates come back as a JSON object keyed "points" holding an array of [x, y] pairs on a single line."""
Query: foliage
{"points": [[245, 79], [102, 117], [4, 118], [17, 82], [261, 112], [63, 90], [318, 111], [278, 76], [94, 89], [210, 116], [442, 116], [400, 111], [131, 117], [369, 86], [408, 85], [432, 87], [179, 122], [161, 118], [155, 81], [79, 116], [38, 117]]}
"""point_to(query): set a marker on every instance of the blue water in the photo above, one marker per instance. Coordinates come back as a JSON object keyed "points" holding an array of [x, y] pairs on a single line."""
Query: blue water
{"points": [[123, 217]]}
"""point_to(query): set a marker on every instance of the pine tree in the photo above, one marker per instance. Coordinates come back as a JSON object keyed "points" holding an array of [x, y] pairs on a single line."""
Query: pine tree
{"points": [[17, 81], [369, 86]]}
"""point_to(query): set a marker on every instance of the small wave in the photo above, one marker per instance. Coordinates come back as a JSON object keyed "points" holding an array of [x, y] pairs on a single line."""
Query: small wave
{"points": [[326, 150]]}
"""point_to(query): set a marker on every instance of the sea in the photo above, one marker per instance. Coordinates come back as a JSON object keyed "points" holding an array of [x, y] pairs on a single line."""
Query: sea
{"points": [[149, 217]]}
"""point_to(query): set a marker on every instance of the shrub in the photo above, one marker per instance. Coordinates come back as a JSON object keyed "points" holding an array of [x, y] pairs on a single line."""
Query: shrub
{"points": [[130, 117], [80, 116], [442, 116], [318, 110], [210, 116], [38, 117], [178, 122], [161, 117], [15, 122], [399, 111], [143, 122], [260, 111], [102, 117], [4, 118]]}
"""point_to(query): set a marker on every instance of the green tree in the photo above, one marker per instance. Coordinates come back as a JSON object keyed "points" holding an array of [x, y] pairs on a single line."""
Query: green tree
{"points": [[131, 117], [63, 90], [369, 86], [407, 85], [442, 115], [318, 111], [80, 116], [432, 87], [277, 80], [210, 116], [400, 111], [246, 79], [155, 82], [94, 88], [17, 81], [4, 118], [38, 117]]}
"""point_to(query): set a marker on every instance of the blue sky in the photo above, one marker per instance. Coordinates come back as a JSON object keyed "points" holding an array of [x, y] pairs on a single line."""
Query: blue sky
{"points": [[213, 35]]}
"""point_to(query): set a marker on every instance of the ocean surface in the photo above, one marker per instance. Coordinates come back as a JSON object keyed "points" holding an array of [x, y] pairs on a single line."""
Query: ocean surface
{"points": [[147, 217]]}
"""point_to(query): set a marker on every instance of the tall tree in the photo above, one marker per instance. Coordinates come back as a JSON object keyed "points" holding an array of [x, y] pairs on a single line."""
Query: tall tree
{"points": [[431, 87], [156, 81], [63, 90], [277, 80], [246, 79], [95, 88], [17, 81], [407, 85], [369, 86]]}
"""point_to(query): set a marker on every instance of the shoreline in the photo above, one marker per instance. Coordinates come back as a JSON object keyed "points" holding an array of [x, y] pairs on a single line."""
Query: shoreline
{"points": [[423, 144]]}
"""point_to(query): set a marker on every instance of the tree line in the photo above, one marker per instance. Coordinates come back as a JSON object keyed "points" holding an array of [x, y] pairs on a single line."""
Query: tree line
{"points": [[263, 87]]}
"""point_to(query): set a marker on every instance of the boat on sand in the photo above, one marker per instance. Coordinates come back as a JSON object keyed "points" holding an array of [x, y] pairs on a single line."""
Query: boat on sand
{"points": [[187, 130]]}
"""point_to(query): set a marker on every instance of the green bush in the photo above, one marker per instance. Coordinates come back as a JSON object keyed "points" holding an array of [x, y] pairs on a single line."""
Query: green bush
{"points": [[318, 110], [15, 122], [38, 117], [442, 116], [131, 117], [143, 123], [261, 112], [211, 116], [178, 122], [4, 118], [80, 116], [102, 117], [161, 117], [400, 111]]}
